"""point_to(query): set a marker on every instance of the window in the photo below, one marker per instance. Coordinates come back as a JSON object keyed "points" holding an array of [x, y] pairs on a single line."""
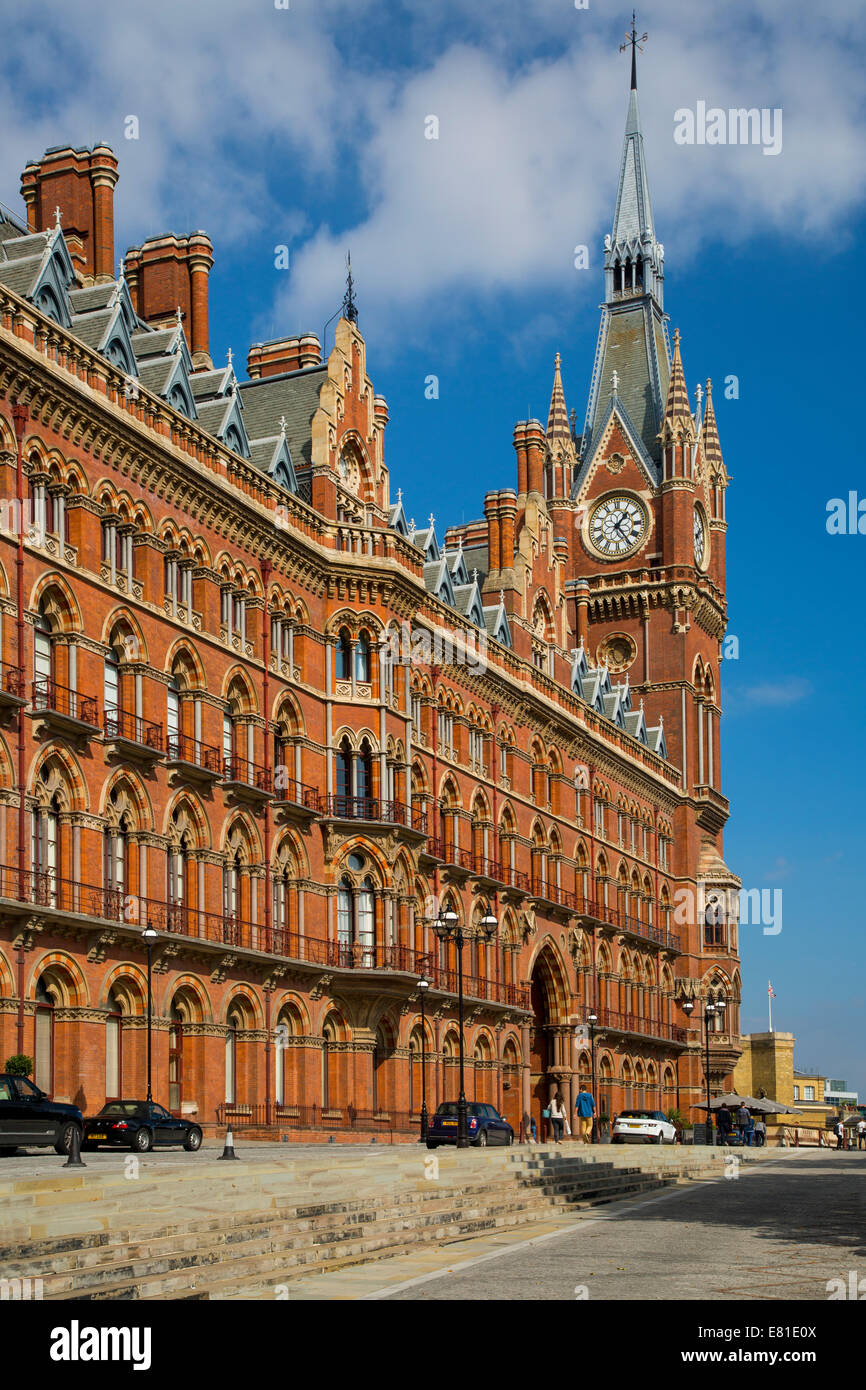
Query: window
{"points": [[45, 850], [809, 1093], [796, 1092], [112, 681], [172, 717], [234, 1023], [43, 648], [116, 856], [113, 1049], [362, 659], [476, 748], [232, 888], [598, 814], [344, 655], [416, 717], [446, 733], [44, 1038], [356, 921]]}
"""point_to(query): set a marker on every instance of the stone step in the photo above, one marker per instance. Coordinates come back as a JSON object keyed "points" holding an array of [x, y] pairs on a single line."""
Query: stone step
{"points": [[99, 1266], [295, 1225]]}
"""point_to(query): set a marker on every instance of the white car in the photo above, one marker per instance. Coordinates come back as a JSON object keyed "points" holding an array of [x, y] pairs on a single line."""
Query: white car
{"points": [[643, 1127]]}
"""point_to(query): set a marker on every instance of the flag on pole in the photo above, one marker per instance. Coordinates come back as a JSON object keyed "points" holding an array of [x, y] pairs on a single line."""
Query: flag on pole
{"points": [[771, 994]]}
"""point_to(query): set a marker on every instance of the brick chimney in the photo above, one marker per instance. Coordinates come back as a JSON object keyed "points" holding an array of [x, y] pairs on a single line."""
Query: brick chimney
{"points": [[284, 355], [494, 552], [520, 447], [80, 182], [170, 272], [535, 439], [508, 518]]}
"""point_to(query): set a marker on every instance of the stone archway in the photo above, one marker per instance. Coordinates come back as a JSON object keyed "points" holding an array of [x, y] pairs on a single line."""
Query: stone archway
{"points": [[549, 1052]]}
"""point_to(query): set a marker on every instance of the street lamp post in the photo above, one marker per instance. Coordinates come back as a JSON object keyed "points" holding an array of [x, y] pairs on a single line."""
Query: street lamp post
{"points": [[149, 936], [710, 1012], [423, 985], [447, 927]]}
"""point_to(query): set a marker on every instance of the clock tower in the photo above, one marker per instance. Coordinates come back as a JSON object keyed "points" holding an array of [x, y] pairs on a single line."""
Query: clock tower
{"points": [[646, 583]]}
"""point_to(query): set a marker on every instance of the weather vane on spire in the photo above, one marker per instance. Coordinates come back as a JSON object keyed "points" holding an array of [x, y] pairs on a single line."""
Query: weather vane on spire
{"points": [[350, 308], [636, 43]]}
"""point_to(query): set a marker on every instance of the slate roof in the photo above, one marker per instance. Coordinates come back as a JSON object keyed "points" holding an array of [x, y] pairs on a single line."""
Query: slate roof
{"points": [[294, 395]]}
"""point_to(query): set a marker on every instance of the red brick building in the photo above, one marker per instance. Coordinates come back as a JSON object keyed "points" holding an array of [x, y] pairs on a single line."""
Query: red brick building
{"points": [[245, 700]]}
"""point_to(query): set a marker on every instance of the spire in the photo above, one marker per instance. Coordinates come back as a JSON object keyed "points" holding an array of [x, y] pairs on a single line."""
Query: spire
{"points": [[350, 308], [632, 335], [710, 445], [558, 427], [678, 413]]}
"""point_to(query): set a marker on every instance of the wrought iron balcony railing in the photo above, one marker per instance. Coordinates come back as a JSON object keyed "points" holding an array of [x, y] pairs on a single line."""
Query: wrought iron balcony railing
{"points": [[243, 772], [52, 698], [183, 749], [12, 680], [374, 808], [116, 904], [619, 1022], [121, 723]]}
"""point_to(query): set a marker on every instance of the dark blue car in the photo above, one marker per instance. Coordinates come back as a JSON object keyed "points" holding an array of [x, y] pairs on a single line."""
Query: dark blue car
{"points": [[484, 1125]]}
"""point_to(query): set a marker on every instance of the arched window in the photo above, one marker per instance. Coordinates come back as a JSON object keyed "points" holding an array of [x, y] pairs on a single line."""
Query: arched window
{"points": [[234, 1022], [43, 648], [344, 768], [175, 1062], [172, 717], [344, 655], [178, 871], [114, 1049], [116, 854], [364, 771], [362, 659], [284, 891], [45, 851], [44, 1038], [356, 921], [232, 888], [111, 688]]}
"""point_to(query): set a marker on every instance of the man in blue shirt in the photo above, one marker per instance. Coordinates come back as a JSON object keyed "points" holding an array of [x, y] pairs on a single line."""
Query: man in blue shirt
{"points": [[584, 1109]]}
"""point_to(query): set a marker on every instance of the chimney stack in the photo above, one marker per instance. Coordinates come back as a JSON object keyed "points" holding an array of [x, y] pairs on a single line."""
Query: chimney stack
{"points": [[170, 272], [508, 518], [535, 441], [284, 355], [80, 182], [520, 446], [494, 553]]}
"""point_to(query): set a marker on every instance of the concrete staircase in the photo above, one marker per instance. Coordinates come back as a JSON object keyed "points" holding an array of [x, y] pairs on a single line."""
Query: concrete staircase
{"points": [[225, 1231]]}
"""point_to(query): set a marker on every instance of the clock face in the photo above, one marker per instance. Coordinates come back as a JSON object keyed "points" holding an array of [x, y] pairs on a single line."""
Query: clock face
{"points": [[618, 525], [700, 538]]}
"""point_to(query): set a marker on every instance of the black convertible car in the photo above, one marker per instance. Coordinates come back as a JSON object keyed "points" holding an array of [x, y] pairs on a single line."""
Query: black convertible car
{"points": [[140, 1125], [30, 1120]]}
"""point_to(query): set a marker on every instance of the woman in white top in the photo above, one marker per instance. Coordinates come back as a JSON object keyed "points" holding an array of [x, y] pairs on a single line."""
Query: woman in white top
{"points": [[557, 1116]]}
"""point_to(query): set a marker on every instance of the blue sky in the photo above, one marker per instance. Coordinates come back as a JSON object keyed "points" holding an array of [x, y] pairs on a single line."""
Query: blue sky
{"points": [[305, 127]]}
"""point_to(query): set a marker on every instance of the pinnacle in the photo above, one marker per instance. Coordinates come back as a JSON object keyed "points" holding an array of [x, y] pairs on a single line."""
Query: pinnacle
{"points": [[558, 427], [678, 412], [711, 447]]}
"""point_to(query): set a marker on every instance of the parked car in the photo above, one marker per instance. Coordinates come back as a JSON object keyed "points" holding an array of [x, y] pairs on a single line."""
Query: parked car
{"points": [[484, 1125], [643, 1127], [140, 1125], [28, 1119]]}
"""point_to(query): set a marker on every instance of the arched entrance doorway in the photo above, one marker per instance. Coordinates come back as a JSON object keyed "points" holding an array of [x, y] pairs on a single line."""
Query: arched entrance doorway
{"points": [[549, 1053]]}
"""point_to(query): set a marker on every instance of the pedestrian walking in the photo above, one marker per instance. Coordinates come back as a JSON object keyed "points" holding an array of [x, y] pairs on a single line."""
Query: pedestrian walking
{"points": [[724, 1123], [584, 1109], [743, 1121], [528, 1128], [760, 1132], [557, 1116], [840, 1134], [861, 1134]]}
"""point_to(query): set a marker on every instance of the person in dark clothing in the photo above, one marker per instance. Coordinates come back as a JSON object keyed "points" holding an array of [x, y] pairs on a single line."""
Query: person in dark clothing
{"points": [[724, 1124]]}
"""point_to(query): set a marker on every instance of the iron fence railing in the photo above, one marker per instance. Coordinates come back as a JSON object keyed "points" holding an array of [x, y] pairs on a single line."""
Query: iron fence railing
{"points": [[50, 696]]}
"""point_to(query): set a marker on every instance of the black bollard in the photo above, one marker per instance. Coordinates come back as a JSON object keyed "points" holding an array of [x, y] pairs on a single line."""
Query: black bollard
{"points": [[75, 1160], [229, 1150]]}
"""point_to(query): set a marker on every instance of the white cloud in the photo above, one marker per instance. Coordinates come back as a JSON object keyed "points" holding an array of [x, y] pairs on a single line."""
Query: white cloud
{"points": [[531, 99]]}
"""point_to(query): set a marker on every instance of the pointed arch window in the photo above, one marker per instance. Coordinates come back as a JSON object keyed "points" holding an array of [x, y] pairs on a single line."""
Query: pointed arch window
{"points": [[232, 888], [362, 659], [114, 1048], [43, 647], [344, 655], [234, 1024], [45, 851], [116, 856], [44, 1038], [356, 920]]}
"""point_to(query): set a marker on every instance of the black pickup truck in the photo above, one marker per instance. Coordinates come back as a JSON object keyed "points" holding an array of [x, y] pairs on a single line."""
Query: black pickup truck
{"points": [[30, 1120]]}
